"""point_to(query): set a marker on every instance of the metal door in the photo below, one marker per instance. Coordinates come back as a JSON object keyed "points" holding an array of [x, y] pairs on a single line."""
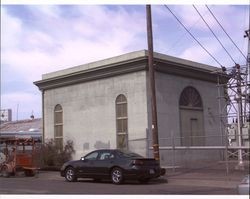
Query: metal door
{"points": [[192, 131]]}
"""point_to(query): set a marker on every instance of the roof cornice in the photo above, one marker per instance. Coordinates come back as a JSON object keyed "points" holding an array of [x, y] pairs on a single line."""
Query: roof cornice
{"points": [[91, 74], [124, 64]]}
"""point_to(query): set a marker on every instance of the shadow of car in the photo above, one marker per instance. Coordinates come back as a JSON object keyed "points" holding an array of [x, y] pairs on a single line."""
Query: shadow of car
{"points": [[114, 164], [243, 187]]}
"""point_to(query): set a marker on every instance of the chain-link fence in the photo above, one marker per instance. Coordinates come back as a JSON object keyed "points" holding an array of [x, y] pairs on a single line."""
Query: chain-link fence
{"points": [[174, 154]]}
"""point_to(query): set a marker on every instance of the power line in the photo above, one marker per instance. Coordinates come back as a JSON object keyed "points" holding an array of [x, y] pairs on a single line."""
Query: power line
{"points": [[177, 41], [213, 33], [193, 36], [225, 32]]}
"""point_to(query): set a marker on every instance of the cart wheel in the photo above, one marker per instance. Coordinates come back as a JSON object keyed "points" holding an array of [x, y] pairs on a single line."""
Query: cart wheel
{"points": [[5, 173], [29, 173]]}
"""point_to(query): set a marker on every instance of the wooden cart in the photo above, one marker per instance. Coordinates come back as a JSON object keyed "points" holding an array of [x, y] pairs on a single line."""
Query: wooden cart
{"points": [[21, 154]]}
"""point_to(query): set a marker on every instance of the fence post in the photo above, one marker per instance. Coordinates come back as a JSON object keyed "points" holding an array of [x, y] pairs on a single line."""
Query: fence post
{"points": [[226, 151], [147, 142], [173, 150]]}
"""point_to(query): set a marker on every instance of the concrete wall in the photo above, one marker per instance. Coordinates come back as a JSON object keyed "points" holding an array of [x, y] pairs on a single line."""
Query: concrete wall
{"points": [[89, 112], [169, 88], [89, 115]]}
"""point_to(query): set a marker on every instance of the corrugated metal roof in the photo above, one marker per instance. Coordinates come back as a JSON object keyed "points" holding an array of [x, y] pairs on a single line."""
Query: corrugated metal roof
{"points": [[22, 125]]}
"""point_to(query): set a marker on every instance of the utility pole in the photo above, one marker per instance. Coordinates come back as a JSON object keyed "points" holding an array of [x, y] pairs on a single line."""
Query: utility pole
{"points": [[152, 84], [240, 165], [240, 117], [247, 34]]}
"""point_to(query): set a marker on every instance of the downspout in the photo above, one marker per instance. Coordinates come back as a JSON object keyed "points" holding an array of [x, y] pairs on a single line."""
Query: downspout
{"points": [[43, 122]]}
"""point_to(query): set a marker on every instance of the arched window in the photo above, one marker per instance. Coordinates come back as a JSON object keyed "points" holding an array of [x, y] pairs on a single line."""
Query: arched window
{"points": [[121, 122], [190, 98], [58, 126], [191, 117]]}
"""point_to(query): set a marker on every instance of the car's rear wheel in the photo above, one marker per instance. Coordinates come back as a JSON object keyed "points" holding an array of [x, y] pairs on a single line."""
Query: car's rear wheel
{"points": [[70, 175], [117, 175]]}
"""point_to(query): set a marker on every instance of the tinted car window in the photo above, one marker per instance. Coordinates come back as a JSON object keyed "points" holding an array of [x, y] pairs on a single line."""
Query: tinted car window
{"points": [[128, 154], [106, 155], [91, 156]]}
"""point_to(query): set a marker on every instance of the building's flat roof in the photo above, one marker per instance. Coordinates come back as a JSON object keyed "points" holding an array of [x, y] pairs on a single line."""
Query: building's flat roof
{"points": [[124, 64], [126, 57]]}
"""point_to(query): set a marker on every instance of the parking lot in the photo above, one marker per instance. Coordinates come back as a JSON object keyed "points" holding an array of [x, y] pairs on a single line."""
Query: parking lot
{"points": [[201, 182]]}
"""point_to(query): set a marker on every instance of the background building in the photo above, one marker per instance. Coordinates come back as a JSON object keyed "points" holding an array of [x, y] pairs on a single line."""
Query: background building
{"points": [[6, 115], [22, 128], [106, 104]]}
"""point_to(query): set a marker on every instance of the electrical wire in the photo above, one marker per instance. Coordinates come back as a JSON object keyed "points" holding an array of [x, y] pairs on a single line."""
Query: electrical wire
{"points": [[213, 33], [177, 41], [225, 32], [193, 36]]}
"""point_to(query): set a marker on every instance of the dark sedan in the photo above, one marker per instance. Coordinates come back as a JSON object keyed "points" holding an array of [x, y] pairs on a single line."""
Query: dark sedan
{"points": [[115, 164]]}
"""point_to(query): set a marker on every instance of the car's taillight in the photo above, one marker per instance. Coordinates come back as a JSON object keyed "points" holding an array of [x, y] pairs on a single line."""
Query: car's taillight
{"points": [[137, 162]]}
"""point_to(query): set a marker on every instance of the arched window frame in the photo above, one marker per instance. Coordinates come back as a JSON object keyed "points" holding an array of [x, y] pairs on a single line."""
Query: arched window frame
{"points": [[121, 121], [190, 98], [58, 126]]}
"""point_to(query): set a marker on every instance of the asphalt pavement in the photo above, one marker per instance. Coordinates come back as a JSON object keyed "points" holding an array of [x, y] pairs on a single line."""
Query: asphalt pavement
{"points": [[216, 175], [210, 180], [212, 176]]}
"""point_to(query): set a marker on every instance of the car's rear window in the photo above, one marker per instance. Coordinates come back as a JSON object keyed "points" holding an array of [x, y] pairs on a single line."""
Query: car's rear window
{"points": [[128, 154]]}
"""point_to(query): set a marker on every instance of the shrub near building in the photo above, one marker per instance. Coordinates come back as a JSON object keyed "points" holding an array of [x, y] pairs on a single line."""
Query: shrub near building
{"points": [[53, 155]]}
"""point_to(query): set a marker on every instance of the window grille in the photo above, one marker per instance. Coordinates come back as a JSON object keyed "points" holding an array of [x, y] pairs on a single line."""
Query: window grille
{"points": [[190, 98]]}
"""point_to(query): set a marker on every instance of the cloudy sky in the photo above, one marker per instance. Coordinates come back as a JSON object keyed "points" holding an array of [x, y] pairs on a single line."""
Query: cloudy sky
{"points": [[38, 39]]}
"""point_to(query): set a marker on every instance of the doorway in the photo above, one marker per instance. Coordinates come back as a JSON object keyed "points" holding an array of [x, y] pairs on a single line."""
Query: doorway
{"points": [[191, 118]]}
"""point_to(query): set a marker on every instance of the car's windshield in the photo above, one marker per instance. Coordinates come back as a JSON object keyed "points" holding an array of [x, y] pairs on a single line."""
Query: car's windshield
{"points": [[128, 154]]}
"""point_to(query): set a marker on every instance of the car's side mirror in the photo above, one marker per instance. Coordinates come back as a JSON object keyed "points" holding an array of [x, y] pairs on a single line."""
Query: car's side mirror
{"points": [[82, 158]]}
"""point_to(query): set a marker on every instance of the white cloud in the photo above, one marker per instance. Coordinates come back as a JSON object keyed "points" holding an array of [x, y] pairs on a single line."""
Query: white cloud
{"points": [[52, 42], [53, 38], [10, 31], [232, 18], [190, 17], [36, 52], [197, 54]]}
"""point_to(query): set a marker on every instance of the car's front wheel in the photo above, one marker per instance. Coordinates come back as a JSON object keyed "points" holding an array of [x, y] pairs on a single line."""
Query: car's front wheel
{"points": [[70, 175], [117, 175]]}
